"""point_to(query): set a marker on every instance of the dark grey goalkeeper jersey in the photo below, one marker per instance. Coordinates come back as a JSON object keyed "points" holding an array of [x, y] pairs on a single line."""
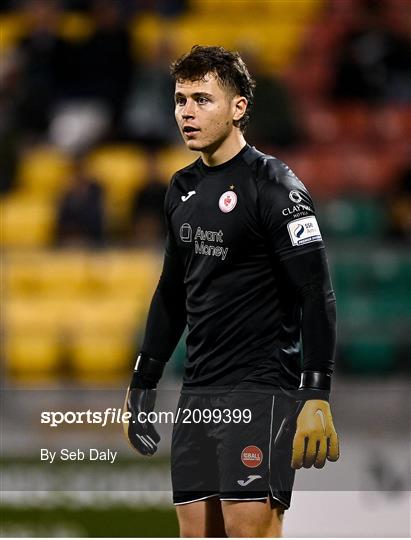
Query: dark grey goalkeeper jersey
{"points": [[232, 229]]}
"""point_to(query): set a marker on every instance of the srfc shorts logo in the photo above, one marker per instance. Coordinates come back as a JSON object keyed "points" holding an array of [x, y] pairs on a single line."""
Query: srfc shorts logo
{"points": [[251, 456]]}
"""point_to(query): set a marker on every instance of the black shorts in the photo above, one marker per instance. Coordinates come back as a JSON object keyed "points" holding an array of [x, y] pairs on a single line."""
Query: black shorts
{"points": [[217, 455]]}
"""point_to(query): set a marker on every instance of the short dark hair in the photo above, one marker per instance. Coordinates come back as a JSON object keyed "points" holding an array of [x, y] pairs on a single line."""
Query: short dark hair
{"points": [[228, 66]]}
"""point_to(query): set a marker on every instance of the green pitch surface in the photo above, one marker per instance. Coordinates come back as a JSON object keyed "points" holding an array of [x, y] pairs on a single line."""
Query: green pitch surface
{"points": [[109, 522], [33, 503]]}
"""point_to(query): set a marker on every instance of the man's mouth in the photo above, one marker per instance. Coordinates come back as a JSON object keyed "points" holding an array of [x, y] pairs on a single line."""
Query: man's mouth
{"points": [[190, 129]]}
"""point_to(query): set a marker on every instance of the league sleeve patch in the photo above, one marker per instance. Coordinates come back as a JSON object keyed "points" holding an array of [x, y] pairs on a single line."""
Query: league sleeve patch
{"points": [[304, 231]]}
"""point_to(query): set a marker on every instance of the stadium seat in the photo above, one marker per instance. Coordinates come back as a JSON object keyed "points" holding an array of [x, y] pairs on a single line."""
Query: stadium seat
{"points": [[280, 10], [13, 28], [369, 354], [117, 274], [353, 218], [76, 26], [172, 159], [49, 274], [43, 172], [104, 315], [26, 221], [274, 42], [32, 357], [393, 123], [29, 314], [319, 169], [343, 123], [102, 357], [122, 170], [369, 171], [391, 272]]}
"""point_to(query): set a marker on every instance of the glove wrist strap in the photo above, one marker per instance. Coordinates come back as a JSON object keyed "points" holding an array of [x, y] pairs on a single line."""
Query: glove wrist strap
{"points": [[315, 385], [147, 372]]}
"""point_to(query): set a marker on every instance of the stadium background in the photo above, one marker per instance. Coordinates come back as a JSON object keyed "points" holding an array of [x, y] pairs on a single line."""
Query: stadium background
{"points": [[88, 145]]}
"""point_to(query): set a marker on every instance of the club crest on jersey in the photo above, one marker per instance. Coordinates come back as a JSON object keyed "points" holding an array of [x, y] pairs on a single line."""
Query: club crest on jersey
{"points": [[228, 201], [251, 456]]}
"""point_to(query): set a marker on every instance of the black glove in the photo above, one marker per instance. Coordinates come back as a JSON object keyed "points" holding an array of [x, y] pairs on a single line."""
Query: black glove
{"points": [[140, 401]]}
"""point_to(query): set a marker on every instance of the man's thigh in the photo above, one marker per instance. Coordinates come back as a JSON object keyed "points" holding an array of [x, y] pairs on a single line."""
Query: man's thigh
{"points": [[201, 519], [260, 519]]}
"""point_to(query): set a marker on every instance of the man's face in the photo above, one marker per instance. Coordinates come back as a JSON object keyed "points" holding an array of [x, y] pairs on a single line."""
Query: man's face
{"points": [[204, 112]]}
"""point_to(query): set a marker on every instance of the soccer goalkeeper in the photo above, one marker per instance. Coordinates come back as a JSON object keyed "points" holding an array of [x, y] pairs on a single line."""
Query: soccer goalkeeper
{"points": [[245, 268]]}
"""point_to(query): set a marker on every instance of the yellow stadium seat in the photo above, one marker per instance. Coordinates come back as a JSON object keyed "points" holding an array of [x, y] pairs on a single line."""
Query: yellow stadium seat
{"points": [[273, 42], [29, 314], [62, 274], [131, 274], [33, 356], [75, 26], [104, 315], [72, 316], [26, 221], [44, 171], [295, 10], [172, 159], [46, 273], [19, 273], [81, 275], [122, 170], [272, 30], [280, 10], [147, 30], [75, 312], [102, 357], [13, 27]]}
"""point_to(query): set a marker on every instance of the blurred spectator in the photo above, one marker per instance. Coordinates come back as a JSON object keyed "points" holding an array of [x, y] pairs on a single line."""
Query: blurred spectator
{"points": [[48, 64], [165, 8], [78, 124], [400, 209], [93, 101], [9, 5], [107, 62], [80, 220], [272, 119], [149, 110], [374, 62], [10, 84], [147, 211]]}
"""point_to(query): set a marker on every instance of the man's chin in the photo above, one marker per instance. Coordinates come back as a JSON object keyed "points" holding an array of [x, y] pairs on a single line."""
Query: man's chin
{"points": [[193, 145]]}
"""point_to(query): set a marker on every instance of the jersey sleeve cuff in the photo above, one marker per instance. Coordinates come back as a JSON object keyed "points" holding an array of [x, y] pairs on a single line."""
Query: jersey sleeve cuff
{"points": [[314, 385]]}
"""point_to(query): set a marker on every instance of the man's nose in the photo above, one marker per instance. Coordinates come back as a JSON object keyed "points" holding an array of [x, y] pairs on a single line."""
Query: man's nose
{"points": [[188, 110]]}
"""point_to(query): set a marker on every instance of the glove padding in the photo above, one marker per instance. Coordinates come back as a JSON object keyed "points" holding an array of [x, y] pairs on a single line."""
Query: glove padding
{"points": [[315, 439], [141, 436]]}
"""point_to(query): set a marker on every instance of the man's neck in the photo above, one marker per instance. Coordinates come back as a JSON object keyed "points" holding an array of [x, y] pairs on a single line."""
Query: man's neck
{"points": [[229, 148]]}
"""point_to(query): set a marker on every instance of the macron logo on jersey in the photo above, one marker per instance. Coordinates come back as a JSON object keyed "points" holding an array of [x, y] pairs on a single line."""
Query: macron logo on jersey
{"points": [[185, 198]]}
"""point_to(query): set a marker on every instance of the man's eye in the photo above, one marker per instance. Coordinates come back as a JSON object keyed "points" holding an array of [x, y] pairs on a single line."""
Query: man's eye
{"points": [[180, 101], [202, 100]]}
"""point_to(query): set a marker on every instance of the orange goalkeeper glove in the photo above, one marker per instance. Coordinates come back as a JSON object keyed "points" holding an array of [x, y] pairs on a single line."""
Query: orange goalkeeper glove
{"points": [[315, 438]]}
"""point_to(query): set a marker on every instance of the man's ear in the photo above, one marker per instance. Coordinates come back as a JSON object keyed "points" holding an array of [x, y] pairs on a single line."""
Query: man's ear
{"points": [[239, 107]]}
